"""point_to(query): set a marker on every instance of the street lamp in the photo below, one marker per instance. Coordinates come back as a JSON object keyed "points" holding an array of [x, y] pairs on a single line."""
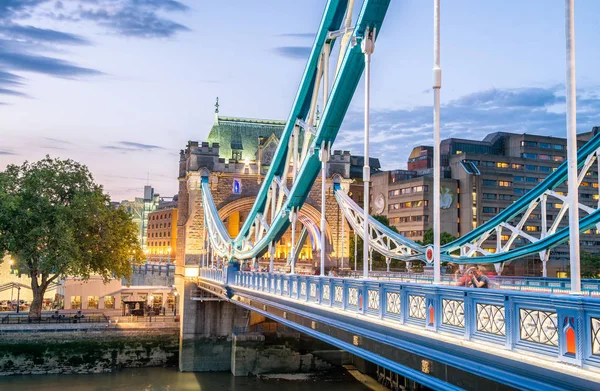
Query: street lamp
{"points": [[175, 309]]}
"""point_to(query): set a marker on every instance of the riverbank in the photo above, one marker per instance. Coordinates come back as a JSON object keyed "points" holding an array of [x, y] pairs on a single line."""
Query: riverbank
{"points": [[159, 379], [38, 351]]}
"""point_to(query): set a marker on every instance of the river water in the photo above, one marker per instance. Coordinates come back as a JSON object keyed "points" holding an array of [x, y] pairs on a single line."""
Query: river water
{"points": [[169, 379]]}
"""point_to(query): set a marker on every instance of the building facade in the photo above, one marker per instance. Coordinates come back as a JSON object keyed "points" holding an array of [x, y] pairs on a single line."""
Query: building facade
{"points": [[236, 157], [481, 179], [162, 234]]}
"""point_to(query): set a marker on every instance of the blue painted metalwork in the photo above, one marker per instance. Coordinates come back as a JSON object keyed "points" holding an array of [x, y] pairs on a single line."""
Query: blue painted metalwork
{"points": [[527, 323]]}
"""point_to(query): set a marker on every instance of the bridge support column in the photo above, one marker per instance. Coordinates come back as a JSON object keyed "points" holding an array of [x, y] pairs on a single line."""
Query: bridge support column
{"points": [[206, 332], [573, 185], [437, 85], [368, 47], [324, 156]]}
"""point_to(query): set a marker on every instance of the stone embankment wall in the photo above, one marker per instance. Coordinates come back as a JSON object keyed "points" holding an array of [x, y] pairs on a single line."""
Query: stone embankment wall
{"points": [[86, 351], [252, 355]]}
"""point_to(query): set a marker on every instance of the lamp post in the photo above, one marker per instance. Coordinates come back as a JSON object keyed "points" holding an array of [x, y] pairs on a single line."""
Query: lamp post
{"points": [[18, 298], [175, 309]]}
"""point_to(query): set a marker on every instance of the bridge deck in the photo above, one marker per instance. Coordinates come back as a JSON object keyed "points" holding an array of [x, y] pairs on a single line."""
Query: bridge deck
{"points": [[522, 339]]}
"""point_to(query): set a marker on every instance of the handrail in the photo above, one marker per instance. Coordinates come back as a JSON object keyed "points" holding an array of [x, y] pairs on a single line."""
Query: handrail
{"points": [[561, 327]]}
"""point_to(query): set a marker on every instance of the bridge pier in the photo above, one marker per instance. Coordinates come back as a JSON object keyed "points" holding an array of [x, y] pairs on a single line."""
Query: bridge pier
{"points": [[206, 330]]}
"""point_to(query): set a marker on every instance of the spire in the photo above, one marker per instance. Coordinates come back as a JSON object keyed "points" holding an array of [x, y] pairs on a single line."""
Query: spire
{"points": [[217, 111]]}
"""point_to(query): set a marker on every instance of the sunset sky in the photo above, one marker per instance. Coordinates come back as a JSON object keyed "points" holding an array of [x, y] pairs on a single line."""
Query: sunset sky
{"points": [[122, 85]]}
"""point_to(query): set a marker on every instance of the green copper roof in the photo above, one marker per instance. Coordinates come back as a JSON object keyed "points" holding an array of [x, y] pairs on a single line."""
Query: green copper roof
{"points": [[242, 134]]}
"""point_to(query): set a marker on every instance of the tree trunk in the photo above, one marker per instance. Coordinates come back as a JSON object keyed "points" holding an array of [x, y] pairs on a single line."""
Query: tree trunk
{"points": [[35, 311]]}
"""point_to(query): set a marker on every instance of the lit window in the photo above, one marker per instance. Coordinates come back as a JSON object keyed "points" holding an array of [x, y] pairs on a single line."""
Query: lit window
{"points": [[558, 158], [502, 165], [532, 228], [504, 184]]}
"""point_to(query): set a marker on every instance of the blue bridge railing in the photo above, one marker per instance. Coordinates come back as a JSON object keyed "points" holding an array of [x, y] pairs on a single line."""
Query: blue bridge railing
{"points": [[564, 328]]}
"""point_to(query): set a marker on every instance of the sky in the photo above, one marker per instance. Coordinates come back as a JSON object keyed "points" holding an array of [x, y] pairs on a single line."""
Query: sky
{"points": [[122, 85]]}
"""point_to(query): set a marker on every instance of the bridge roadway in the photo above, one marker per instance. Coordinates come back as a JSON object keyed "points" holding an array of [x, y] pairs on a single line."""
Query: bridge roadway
{"points": [[443, 337]]}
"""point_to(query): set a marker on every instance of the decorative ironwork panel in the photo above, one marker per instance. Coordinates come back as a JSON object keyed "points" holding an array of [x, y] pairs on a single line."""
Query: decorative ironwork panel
{"points": [[392, 303], [294, 287], [353, 296], [373, 299], [326, 292], [453, 312], [490, 319], [338, 294], [416, 306], [538, 326], [596, 336], [313, 290], [303, 289]]}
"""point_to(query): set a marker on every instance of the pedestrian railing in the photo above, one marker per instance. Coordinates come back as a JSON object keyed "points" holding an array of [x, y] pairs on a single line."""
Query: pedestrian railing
{"points": [[62, 317], [563, 327]]}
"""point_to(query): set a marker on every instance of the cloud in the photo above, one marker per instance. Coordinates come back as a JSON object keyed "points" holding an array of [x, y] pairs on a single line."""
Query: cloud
{"points": [[130, 146], [294, 52], [298, 35], [519, 110], [41, 35], [56, 140], [42, 64], [5, 152], [6, 91], [26, 47]]}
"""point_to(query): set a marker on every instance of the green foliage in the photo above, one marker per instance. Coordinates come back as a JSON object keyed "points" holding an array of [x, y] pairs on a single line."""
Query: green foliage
{"points": [[56, 222], [378, 259], [590, 265], [445, 238]]}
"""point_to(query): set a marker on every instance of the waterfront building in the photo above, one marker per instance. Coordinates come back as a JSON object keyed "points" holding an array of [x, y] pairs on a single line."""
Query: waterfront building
{"points": [[236, 156], [139, 209], [480, 179], [162, 233]]}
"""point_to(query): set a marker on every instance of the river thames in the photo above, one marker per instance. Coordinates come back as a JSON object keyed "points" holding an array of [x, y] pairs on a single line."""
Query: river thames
{"points": [[155, 379]]}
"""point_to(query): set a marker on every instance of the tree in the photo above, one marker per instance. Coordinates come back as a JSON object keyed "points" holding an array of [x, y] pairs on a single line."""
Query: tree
{"points": [[590, 265], [445, 238], [378, 259], [56, 222]]}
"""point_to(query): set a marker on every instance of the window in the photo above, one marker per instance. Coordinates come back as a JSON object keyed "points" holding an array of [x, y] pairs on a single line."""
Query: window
{"points": [[109, 302], [531, 179], [236, 155], [558, 147], [487, 164], [517, 166], [531, 167], [558, 158], [502, 165], [532, 228], [528, 144], [544, 145], [505, 197], [545, 169], [237, 187], [595, 197], [544, 157], [519, 191], [489, 182], [489, 209], [489, 196], [504, 184], [595, 185], [557, 206], [519, 179], [75, 302], [585, 184], [529, 155]]}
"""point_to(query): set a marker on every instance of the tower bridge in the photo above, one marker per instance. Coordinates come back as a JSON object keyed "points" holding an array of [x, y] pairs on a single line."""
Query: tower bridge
{"points": [[273, 190]]}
